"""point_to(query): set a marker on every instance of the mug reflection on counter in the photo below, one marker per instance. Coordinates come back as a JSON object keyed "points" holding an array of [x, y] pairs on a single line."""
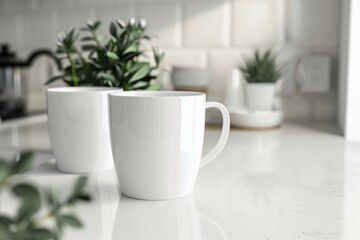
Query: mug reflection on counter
{"points": [[174, 219]]}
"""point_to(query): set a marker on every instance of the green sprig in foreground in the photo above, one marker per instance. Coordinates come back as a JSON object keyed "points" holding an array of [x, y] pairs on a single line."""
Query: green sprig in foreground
{"points": [[27, 224], [115, 61]]}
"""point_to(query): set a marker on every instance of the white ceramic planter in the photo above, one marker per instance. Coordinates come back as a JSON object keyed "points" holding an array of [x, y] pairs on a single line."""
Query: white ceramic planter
{"points": [[234, 94], [260, 96], [79, 128]]}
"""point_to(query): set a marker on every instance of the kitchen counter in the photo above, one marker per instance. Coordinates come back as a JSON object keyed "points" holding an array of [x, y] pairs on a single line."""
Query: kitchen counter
{"points": [[295, 182]]}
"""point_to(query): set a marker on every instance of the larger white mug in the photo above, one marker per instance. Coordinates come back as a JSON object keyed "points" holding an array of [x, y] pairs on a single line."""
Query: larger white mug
{"points": [[157, 141]]}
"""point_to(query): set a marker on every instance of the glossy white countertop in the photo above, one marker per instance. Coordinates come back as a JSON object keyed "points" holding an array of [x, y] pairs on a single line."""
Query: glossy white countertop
{"points": [[291, 183]]}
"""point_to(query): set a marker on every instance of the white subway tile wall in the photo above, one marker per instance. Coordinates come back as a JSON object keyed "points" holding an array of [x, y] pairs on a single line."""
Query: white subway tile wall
{"points": [[313, 22], [73, 17], [224, 60], [38, 29], [214, 34], [255, 23], [109, 13], [205, 23], [10, 27], [186, 57], [9, 5], [45, 4], [163, 22]]}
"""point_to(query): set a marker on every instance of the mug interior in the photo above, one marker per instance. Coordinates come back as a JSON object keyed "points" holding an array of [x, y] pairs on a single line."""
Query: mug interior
{"points": [[81, 89], [156, 94]]}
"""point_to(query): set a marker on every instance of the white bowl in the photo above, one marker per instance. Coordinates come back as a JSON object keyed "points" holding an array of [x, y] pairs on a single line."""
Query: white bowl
{"points": [[256, 120], [183, 77]]}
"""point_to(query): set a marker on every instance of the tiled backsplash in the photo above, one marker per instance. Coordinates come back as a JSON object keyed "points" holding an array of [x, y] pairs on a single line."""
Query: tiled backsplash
{"points": [[216, 34]]}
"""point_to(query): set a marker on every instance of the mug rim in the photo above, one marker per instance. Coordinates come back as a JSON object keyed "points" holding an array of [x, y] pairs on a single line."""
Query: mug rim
{"points": [[156, 94], [73, 89]]}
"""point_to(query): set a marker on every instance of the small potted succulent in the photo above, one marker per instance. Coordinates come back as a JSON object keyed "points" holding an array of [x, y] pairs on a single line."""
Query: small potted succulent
{"points": [[261, 73], [95, 66]]}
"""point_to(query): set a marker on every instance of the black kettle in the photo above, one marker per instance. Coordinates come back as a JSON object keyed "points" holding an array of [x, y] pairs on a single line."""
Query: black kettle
{"points": [[12, 85]]}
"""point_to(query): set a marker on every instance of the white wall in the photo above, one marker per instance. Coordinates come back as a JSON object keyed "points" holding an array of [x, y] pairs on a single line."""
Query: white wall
{"points": [[204, 33]]}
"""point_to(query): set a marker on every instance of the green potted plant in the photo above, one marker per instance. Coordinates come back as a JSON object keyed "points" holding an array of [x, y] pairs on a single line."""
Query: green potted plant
{"points": [[261, 73], [117, 61], [95, 66]]}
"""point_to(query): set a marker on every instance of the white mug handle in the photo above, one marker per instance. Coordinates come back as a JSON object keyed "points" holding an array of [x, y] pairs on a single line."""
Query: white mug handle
{"points": [[224, 133]]}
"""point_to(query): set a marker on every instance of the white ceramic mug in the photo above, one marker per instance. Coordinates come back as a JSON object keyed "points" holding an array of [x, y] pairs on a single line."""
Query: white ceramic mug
{"points": [[79, 128], [157, 141]]}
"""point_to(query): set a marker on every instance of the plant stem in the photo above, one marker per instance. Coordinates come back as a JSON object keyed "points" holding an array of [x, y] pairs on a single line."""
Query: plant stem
{"points": [[73, 72], [38, 221], [43, 218]]}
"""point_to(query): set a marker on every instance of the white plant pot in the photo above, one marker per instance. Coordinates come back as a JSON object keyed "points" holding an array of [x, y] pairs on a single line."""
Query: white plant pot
{"points": [[79, 128], [260, 96]]}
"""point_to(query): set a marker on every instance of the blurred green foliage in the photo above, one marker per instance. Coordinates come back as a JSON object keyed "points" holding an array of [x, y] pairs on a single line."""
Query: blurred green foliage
{"points": [[28, 222]]}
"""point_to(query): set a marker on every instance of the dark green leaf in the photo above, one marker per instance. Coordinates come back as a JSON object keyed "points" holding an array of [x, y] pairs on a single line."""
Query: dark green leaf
{"points": [[134, 68], [4, 171], [53, 79], [87, 47], [120, 23], [96, 25], [52, 199], [70, 220], [118, 71], [59, 223], [85, 197], [113, 30], [80, 185], [108, 76], [86, 39], [141, 73], [60, 50], [140, 85], [25, 191], [24, 163], [5, 220], [129, 56], [131, 48], [158, 55], [37, 234], [112, 55], [103, 60], [69, 39], [30, 198], [5, 233], [154, 86]]}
